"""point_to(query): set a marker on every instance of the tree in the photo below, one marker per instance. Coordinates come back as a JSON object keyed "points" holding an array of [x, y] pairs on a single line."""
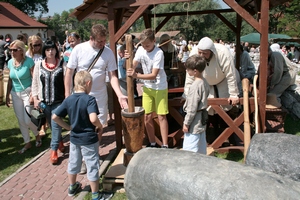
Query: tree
{"points": [[289, 22], [30, 6]]}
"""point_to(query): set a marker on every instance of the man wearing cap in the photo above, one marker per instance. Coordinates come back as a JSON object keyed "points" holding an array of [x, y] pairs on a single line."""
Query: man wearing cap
{"points": [[220, 72]]}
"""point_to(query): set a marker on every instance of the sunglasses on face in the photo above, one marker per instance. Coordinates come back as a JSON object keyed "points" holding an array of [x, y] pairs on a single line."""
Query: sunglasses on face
{"points": [[36, 45], [14, 50]]}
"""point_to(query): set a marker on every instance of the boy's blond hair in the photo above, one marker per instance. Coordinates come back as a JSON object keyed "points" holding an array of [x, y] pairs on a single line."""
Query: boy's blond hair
{"points": [[147, 34], [80, 80]]}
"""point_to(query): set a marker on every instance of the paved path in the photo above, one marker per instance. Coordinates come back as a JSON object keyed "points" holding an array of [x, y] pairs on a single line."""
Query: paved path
{"points": [[41, 180]]}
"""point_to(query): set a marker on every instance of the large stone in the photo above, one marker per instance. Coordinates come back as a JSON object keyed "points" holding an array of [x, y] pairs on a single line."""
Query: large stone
{"points": [[275, 152], [165, 174]]}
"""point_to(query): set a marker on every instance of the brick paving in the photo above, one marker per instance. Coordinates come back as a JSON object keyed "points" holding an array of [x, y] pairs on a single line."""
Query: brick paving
{"points": [[41, 180]]}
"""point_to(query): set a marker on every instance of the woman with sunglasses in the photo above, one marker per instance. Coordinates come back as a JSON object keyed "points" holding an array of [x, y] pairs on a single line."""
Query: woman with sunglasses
{"points": [[48, 91], [35, 45], [19, 87]]}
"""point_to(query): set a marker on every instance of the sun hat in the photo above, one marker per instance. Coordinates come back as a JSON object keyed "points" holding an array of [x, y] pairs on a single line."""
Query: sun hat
{"points": [[272, 102], [164, 39]]}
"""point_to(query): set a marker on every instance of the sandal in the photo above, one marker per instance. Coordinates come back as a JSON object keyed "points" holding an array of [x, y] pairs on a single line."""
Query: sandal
{"points": [[42, 133], [23, 150], [38, 143]]}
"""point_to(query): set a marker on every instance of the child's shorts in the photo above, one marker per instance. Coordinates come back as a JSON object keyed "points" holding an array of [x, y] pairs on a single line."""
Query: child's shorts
{"points": [[195, 142], [90, 153], [155, 101]]}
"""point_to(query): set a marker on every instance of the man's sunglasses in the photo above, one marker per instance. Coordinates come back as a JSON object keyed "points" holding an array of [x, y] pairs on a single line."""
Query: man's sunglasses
{"points": [[14, 50], [36, 45]]}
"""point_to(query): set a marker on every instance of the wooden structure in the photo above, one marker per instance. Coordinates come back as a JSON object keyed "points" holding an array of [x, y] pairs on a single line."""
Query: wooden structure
{"points": [[122, 14]]}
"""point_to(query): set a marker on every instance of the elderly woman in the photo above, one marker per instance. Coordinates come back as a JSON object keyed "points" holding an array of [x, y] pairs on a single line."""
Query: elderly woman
{"points": [[48, 91], [19, 87]]}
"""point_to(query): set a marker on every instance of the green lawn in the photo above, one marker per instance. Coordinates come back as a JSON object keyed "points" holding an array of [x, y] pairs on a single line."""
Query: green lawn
{"points": [[12, 141]]}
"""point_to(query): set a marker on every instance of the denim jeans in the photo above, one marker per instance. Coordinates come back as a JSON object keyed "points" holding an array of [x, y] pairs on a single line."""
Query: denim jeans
{"points": [[55, 128]]}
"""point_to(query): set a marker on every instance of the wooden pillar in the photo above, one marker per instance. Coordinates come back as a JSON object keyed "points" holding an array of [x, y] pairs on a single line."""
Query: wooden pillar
{"points": [[264, 45], [117, 108]]}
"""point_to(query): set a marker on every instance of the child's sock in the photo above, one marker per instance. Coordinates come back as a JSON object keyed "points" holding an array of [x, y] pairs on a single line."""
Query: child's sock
{"points": [[95, 195], [153, 143], [164, 146], [72, 186]]}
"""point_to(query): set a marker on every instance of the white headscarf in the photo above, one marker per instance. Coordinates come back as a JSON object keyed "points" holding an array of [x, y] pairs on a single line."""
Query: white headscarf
{"points": [[207, 44], [275, 47]]}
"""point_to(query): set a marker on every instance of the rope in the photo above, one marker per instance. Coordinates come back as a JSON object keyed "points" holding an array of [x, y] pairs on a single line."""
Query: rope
{"points": [[186, 6]]}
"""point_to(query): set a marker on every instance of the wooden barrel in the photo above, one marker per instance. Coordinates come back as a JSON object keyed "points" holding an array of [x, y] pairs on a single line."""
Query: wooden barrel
{"points": [[133, 131]]}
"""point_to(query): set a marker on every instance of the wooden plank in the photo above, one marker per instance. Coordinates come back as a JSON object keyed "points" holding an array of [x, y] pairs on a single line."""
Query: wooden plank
{"points": [[117, 169], [153, 2]]}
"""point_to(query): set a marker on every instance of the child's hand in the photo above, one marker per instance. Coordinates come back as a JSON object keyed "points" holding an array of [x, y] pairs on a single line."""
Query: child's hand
{"points": [[131, 72], [185, 128], [126, 54]]}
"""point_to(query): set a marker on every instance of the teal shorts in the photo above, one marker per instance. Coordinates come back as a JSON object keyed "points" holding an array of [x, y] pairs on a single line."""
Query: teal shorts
{"points": [[155, 101]]}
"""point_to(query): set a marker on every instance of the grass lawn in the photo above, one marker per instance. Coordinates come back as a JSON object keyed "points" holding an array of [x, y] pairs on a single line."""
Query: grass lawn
{"points": [[12, 141]]}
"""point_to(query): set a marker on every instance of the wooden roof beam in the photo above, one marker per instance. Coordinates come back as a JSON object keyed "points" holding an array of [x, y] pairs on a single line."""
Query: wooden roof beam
{"points": [[241, 11], [137, 14], [228, 23], [200, 12], [154, 2], [162, 23], [89, 11], [118, 20]]}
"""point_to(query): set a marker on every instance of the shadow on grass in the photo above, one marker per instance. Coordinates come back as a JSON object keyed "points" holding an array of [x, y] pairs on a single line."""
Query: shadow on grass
{"points": [[11, 142]]}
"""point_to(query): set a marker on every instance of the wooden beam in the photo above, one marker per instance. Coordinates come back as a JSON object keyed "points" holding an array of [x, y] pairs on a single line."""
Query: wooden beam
{"points": [[147, 20], [162, 23], [238, 41], [228, 23], [117, 108], [264, 47], [90, 9], [153, 2], [200, 12], [139, 11], [241, 11], [118, 21]]}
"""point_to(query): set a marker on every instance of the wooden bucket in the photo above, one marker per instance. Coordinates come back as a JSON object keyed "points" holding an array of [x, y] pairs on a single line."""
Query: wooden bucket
{"points": [[133, 132]]}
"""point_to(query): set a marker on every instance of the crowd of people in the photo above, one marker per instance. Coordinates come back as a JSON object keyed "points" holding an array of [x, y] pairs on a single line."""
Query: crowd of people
{"points": [[78, 79]]}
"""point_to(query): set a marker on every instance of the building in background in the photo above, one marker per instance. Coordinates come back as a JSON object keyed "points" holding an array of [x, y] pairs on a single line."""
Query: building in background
{"points": [[13, 22]]}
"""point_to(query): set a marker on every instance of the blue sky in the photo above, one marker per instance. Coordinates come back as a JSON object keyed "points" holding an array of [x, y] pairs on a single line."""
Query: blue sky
{"points": [[57, 6]]}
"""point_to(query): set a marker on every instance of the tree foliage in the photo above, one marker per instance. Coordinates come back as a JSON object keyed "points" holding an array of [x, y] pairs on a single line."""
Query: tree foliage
{"points": [[194, 27], [289, 21], [30, 6], [59, 23]]}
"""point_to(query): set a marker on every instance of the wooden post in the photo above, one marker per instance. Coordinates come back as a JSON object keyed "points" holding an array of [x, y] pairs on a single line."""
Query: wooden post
{"points": [[129, 80], [133, 117], [247, 131]]}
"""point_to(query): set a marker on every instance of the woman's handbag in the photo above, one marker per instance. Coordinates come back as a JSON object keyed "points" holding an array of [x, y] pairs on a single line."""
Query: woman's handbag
{"points": [[37, 117]]}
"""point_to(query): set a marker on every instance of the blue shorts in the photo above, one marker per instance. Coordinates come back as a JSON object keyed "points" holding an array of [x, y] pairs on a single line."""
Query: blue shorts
{"points": [[195, 142], [90, 153]]}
